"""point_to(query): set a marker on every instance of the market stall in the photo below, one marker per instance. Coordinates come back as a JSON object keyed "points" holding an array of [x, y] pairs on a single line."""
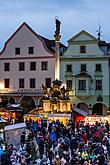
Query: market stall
{"points": [[13, 133], [78, 115], [2, 125], [93, 119], [64, 118], [33, 117]]}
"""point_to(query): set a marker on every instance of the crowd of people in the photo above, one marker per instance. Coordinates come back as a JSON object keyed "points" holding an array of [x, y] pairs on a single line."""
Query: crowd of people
{"points": [[56, 144]]}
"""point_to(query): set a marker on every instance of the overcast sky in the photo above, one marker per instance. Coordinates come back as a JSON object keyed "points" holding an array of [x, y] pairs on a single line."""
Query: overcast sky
{"points": [[75, 15]]}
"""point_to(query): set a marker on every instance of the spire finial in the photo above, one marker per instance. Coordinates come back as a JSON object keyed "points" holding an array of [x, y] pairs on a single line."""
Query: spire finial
{"points": [[99, 32]]}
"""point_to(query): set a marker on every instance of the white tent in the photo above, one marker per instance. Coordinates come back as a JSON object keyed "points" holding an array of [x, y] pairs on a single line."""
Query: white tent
{"points": [[2, 120]]}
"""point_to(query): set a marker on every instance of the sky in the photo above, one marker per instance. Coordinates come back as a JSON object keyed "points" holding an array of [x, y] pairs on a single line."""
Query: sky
{"points": [[75, 15]]}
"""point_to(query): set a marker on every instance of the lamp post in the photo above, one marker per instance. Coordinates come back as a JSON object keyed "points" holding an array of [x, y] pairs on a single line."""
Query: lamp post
{"points": [[74, 114], [90, 109]]}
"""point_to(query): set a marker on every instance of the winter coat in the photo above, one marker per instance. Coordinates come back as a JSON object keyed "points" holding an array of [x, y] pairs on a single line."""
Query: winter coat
{"points": [[53, 136]]}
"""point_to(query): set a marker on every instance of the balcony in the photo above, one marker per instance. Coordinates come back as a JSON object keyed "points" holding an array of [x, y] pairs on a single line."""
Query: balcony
{"points": [[81, 92]]}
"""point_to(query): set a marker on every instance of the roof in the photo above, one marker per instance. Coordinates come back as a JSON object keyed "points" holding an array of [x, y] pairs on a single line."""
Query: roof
{"points": [[80, 33], [47, 43], [82, 74], [2, 120], [80, 111], [15, 126], [59, 115], [14, 107], [32, 115], [102, 43], [51, 43]]}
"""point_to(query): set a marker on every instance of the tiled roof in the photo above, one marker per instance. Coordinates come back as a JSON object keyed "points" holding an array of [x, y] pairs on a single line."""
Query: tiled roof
{"points": [[51, 43]]}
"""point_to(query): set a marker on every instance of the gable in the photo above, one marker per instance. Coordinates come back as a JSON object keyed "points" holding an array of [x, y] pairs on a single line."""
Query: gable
{"points": [[82, 36], [25, 37]]}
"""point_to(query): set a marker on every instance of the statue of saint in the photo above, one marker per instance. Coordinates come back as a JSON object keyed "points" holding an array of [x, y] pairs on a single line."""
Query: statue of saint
{"points": [[44, 89], [57, 32]]}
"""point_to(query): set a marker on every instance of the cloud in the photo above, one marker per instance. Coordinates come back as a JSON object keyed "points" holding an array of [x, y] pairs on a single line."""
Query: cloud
{"points": [[74, 15]]}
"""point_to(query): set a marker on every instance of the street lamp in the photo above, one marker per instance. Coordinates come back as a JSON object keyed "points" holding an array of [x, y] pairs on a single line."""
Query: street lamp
{"points": [[73, 114]]}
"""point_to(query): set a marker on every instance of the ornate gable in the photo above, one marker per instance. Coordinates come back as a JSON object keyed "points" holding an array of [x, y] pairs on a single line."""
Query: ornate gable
{"points": [[82, 36]]}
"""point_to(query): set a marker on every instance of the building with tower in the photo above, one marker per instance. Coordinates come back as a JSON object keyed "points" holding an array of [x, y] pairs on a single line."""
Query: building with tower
{"points": [[85, 69]]}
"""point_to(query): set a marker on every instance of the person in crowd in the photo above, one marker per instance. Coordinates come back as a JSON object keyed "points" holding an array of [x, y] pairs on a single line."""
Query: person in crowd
{"points": [[57, 144], [56, 160], [4, 159], [22, 140], [101, 158]]}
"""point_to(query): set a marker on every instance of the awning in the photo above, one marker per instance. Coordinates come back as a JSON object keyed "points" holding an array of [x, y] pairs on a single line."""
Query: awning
{"points": [[2, 120], [80, 111], [59, 115], [15, 126]]}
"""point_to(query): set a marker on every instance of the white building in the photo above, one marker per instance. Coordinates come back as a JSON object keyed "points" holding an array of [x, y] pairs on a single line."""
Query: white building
{"points": [[26, 62], [85, 70]]}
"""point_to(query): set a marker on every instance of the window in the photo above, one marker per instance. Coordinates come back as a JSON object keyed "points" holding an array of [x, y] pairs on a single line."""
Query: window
{"points": [[69, 84], [48, 82], [44, 65], [21, 66], [6, 83], [98, 67], [32, 83], [31, 50], [32, 66], [82, 84], [82, 49], [6, 66], [69, 68], [21, 83], [17, 51], [83, 67], [98, 84]]}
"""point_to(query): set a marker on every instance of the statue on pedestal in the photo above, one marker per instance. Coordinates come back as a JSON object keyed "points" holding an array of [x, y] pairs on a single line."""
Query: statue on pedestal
{"points": [[57, 31]]}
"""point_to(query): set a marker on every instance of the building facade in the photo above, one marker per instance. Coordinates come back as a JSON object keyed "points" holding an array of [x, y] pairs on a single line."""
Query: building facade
{"points": [[85, 69], [26, 62]]}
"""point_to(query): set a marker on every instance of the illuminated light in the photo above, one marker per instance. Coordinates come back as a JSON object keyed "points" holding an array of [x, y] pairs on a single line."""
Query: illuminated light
{"points": [[1, 86]]}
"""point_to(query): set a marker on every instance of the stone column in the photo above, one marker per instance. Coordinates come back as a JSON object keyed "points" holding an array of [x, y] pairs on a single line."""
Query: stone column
{"points": [[57, 50]]}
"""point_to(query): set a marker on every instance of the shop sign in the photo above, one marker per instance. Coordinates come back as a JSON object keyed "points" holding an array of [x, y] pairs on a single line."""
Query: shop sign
{"points": [[93, 120]]}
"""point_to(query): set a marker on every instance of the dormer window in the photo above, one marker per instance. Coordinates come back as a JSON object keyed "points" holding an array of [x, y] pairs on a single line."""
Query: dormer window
{"points": [[83, 49]]}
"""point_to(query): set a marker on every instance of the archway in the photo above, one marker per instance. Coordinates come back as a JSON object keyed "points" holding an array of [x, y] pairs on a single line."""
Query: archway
{"points": [[99, 109], [40, 102], [11, 100], [4, 101], [28, 103], [83, 106]]}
